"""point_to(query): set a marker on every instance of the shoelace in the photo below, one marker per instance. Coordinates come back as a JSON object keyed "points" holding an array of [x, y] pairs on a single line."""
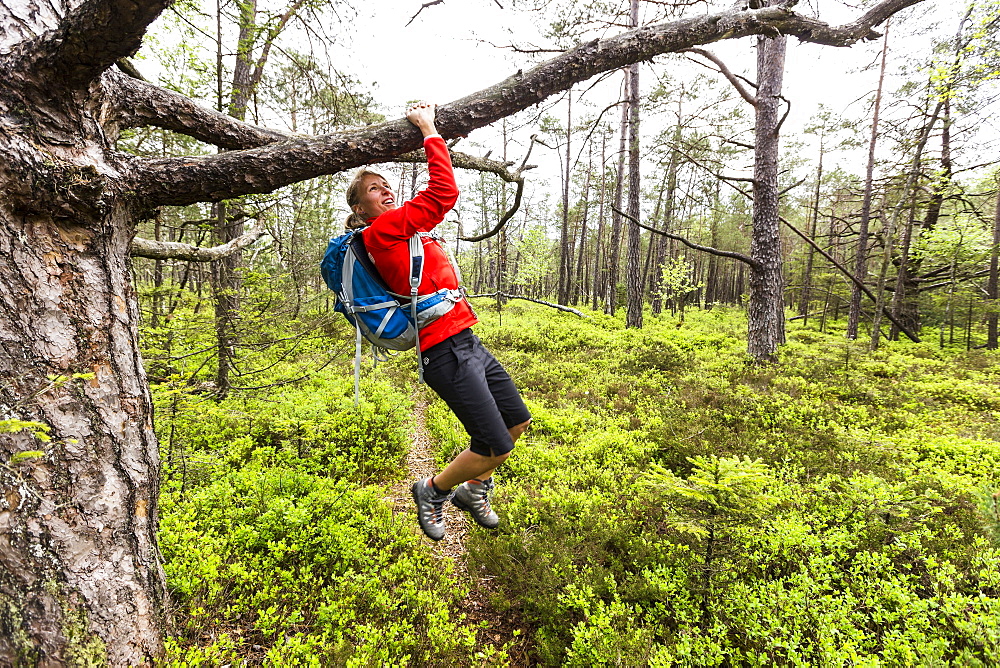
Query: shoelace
{"points": [[437, 509], [484, 498]]}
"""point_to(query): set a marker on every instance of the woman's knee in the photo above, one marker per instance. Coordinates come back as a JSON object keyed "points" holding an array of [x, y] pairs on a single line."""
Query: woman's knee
{"points": [[501, 458], [518, 429]]}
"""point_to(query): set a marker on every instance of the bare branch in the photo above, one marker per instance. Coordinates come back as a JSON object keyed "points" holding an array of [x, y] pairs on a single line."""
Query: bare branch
{"points": [[424, 6], [690, 244], [208, 178], [861, 286], [726, 72], [788, 110], [173, 250], [484, 164], [503, 219], [504, 295], [471, 162], [791, 187]]}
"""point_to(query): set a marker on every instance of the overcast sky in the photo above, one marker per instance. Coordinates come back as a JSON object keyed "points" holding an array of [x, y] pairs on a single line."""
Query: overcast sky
{"points": [[451, 50]]}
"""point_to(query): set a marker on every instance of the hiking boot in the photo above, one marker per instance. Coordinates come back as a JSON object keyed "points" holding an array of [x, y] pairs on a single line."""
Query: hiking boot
{"points": [[430, 508], [474, 498]]}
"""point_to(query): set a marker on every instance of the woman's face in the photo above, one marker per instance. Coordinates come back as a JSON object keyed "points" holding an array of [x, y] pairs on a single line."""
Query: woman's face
{"points": [[376, 197]]}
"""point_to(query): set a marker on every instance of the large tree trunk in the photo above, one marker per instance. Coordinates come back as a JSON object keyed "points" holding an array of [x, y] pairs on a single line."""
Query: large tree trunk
{"points": [[80, 576], [765, 312]]}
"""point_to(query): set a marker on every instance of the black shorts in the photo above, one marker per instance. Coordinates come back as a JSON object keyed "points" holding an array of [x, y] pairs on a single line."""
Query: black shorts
{"points": [[477, 389]]}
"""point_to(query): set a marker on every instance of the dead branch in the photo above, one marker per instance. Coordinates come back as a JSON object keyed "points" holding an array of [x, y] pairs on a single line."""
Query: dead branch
{"points": [[504, 295], [861, 286], [173, 250], [690, 244], [424, 6], [726, 72]]}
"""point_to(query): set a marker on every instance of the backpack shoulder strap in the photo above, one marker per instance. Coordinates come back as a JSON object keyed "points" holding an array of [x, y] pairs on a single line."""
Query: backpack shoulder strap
{"points": [[416, 246]]}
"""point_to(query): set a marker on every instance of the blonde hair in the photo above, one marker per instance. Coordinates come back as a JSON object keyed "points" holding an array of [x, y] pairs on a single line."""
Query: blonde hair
{"points": [[356, 220]]}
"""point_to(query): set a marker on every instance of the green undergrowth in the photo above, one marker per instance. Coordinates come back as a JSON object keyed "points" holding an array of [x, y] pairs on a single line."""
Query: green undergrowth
{"points": [[277, 528], [670, 505], [674, 505]]}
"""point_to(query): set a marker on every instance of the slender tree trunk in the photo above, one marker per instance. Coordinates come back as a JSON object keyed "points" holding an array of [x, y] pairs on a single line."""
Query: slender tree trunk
{"points": [[909, 186], [903, 286], [992, 282], [633, 316], [861, 259], [600, 268], [616, 219], [668, 217], [581, 254], [765, 312], [565, 243], [806, 296]]}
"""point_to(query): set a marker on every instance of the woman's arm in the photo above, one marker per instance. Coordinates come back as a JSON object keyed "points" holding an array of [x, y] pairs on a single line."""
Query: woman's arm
{"points": [[427, 209]]}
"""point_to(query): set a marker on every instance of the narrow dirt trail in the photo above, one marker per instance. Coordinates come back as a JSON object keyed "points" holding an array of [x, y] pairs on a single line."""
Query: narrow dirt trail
{"points": [[420, 464], [499, 627]]}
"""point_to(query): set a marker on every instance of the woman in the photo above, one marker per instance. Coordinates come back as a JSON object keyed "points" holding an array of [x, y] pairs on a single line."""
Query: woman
{"points": [[456, 365]]}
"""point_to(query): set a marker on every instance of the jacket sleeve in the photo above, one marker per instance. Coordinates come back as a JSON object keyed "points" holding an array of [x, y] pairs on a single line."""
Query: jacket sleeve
{"points": [[427, 209]]}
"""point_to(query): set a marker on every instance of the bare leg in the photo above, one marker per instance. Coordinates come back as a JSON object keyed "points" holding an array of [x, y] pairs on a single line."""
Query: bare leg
{"points": [[469, 465]]}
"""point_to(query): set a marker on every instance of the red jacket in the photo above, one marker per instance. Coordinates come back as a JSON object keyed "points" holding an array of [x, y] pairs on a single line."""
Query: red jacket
{"points": [[387, 236]]}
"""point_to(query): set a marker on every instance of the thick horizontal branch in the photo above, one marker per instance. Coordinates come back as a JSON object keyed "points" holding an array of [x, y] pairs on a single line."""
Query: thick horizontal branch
{"points": [[144, 104], [690, 244], [88, 41], [260, 170], [173, 250]]}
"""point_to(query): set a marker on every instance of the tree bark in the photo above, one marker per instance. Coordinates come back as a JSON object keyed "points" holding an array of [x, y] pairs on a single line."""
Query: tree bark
{"points": [[80, 575], [633, 271], [765, 311]]}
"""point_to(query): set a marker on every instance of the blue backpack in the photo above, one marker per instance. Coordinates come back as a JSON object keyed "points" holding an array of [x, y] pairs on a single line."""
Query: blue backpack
{"points": [[390, 321]]}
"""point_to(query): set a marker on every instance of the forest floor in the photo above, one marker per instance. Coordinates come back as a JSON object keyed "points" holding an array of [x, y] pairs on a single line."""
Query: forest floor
{"points": [[498, 628]]}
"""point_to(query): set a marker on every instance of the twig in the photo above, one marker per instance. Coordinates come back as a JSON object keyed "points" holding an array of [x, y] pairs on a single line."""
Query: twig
{"points": [[690, 244], [422, 8], [505, 295]]}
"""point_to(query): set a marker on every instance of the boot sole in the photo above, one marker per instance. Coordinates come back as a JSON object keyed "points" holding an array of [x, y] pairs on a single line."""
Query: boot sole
{"points": [[461, 506]]}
